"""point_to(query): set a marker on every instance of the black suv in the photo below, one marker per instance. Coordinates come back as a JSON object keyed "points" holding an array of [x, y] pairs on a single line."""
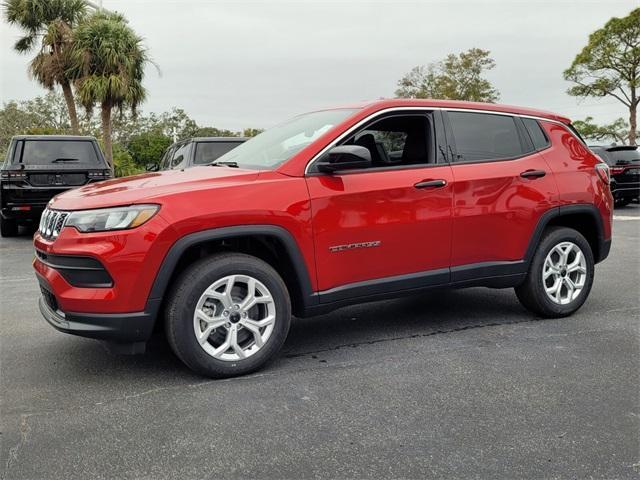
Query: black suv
{"points": [[624, 165], [39, 167], [196, 151]]}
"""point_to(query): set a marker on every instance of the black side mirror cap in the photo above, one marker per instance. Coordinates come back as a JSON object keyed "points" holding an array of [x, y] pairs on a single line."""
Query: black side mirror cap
{"points": [[152, 167], [346, 157]]}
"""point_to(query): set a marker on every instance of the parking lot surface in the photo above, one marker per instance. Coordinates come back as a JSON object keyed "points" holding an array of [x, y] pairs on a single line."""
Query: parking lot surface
{"points": [[455, 384]]}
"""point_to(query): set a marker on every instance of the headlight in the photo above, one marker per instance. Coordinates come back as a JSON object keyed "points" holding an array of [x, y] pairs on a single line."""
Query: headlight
{"points": [[104, 219]]}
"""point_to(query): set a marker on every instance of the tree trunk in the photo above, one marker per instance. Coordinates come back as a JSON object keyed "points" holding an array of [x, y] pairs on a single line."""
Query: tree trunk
{"points": [[71, 106], [633, 124], [105, 114]]}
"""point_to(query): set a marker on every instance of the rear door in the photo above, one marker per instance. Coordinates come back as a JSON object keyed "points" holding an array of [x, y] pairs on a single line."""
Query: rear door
{"points": [[502, 186]]}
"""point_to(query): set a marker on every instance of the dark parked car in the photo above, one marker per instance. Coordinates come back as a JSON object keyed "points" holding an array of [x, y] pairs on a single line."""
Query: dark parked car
{"points": [[196, 151], [39, 167], [624, 164]]}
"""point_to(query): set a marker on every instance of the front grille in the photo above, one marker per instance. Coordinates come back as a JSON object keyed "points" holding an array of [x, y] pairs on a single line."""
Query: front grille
{"points": [[49, 298], [51, 223], [58, 179]]}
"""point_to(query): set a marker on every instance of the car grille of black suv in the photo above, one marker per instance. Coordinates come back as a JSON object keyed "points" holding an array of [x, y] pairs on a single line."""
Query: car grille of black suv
{"points": [[66, 179], [51, 223]]}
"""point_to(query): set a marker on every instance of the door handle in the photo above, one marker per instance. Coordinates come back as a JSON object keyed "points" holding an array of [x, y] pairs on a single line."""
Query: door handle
{"points": [[533, 174], [431, 183]]}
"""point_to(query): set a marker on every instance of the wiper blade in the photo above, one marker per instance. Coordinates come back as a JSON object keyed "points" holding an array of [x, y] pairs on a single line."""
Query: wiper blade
{"points": [[65, 160], [226, 164]]}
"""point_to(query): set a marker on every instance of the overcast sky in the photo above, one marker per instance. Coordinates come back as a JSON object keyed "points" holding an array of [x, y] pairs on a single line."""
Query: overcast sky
{"points": [[251, 64]]}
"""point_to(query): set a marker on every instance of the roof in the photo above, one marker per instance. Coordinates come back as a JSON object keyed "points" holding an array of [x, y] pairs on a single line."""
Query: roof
{"points": [[494, 107], [53, 137]]}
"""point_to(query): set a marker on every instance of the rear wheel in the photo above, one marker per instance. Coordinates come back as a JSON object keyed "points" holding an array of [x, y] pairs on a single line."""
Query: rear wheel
{"points": [[228, 315], [560, 275], [8, 228]]}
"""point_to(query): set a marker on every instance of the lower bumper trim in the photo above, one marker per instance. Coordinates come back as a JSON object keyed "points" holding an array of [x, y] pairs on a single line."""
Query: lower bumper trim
{"points": [[115, 327]]}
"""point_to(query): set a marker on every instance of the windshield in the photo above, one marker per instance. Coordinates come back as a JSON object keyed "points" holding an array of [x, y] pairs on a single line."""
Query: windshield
{"points": [[278, 144], [55, 152]]}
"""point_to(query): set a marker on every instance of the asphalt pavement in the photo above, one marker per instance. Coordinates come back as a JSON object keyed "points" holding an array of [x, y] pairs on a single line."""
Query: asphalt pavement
{"points": [[455, 384]]}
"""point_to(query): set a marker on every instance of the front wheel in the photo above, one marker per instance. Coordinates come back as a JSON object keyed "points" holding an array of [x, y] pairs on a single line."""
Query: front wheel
{"points": [[228, 315], [560, 274]]}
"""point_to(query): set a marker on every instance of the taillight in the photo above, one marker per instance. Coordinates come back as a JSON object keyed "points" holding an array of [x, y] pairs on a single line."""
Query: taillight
{"points": [[616, 170], [603, 172], [16, 175]]}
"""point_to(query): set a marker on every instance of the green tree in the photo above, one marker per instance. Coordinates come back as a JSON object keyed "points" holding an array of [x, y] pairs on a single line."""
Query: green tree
{"points": [[457, 77], [609, 65], [252, 132], [213, 132], [616, 131], [148, 147], [108, 60], [52, 22]]}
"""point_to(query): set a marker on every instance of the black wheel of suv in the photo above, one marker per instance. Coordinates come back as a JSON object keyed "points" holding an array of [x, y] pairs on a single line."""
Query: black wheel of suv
{"points": [[8, 228], [560, 275], [621, 202], [227, 315]]}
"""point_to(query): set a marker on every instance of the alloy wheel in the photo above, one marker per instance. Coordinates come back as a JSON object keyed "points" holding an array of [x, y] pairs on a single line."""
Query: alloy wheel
{"points": [[564, 273], [234, 317]]}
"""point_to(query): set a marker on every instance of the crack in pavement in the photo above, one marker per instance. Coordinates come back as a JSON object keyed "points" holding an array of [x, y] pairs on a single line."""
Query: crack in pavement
{"points": [[13, 451]]}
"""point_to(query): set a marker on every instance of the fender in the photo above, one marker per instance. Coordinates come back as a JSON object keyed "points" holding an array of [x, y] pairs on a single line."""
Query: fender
{"points": [[170, 260], [603, 245]]}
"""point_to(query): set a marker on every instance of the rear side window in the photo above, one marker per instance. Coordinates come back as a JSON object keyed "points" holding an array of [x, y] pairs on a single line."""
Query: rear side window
{"points": [[207, 152], [483, 136], [49, 152], [536, 133]]}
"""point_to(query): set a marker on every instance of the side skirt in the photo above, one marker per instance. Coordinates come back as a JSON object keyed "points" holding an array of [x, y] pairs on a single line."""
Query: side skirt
{"points": [[487, 274]]}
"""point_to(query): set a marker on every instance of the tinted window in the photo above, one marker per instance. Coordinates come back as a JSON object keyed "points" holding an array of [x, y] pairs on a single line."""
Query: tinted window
{"points": [[482, 136], [207, 152], [179, 156], [47, 152], [536, 133], [396, 140], [624, 155]]}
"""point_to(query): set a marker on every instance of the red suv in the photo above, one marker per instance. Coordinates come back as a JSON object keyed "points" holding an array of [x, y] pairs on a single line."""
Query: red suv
{"points": [[331, 208]]}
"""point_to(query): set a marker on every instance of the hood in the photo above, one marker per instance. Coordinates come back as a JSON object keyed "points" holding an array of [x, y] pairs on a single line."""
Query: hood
{"points": [[151, 186]]}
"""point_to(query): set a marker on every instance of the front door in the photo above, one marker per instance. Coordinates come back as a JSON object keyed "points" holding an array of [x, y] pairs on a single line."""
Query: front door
{"points": [[388, 227]]}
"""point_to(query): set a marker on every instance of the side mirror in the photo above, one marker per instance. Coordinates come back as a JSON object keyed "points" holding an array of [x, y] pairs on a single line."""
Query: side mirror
{"points": [[152, 167], [346, 157]]}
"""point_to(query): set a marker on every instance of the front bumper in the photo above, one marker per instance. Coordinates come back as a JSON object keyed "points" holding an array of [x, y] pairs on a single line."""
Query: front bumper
{"points": [[114, 327]]}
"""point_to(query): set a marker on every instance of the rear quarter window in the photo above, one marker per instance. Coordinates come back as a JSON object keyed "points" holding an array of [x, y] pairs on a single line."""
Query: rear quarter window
{"points": [[48, 152], [538, 137]]}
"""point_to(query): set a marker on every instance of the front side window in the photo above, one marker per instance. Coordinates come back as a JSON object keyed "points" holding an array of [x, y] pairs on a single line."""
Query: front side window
{"points": [[52, 152], [397, 140], [278, 144], [207, 152], [484, 136]]}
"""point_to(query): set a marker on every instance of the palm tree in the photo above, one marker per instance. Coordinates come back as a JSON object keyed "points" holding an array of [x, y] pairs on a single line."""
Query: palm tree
{"points": [[108, 61], [52, 21]]}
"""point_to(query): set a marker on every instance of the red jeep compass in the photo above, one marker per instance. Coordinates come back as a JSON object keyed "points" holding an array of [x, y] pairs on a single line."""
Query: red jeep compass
{"points": [[330, 208]]}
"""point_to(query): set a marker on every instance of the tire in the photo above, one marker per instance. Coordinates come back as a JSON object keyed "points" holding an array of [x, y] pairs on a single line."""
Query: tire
{"points": [[622, 202], [8, 228], [532, 293], [232, 322]]}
